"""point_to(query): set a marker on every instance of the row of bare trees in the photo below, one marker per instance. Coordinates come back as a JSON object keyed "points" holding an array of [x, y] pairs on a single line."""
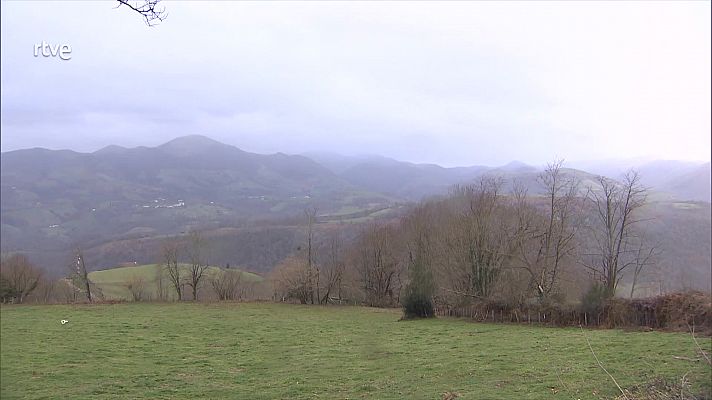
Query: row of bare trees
{"points": [[311, 275], [537, 243], [194, 272], [183, 270], [481, 242]]}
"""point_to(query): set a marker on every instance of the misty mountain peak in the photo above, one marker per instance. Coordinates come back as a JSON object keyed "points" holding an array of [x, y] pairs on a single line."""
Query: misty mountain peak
{"points": [[516, 166], [194, 144], [111, 149]]}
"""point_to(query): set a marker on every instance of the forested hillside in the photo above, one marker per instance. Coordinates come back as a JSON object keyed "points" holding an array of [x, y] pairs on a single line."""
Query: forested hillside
{"points": [[119, 204]]}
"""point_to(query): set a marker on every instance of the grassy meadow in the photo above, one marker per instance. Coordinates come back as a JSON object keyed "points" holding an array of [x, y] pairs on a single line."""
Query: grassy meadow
{"points": [[279, 351]]}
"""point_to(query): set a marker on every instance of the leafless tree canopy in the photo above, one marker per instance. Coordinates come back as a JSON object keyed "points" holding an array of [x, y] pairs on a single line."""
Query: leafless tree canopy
{"points": [[226, 284], [480, 243], [332, 270], [644, 255], [151, 11], [548, 241], [305, 276], [18, 278], [290, 280], [379, 265], [136, 286], [312, 273], [482, 236], [197, 258], [160, 282], [615, 243], [169, 263]]}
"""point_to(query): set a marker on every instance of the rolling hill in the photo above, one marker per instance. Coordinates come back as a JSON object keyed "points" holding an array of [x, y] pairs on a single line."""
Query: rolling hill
{"points": [[690, 185], [112, 283]]}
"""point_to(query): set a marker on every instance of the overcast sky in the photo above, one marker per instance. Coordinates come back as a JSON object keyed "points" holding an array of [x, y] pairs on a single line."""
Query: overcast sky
{"points": [[458, 83]]}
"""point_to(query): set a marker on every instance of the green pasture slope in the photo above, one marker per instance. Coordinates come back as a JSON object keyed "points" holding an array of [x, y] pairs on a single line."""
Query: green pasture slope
{"points": [[112, 282], [277, 351]]}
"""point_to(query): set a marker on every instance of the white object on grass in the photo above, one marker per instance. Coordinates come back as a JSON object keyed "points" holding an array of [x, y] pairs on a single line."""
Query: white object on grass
{"points": [[64, 321]]}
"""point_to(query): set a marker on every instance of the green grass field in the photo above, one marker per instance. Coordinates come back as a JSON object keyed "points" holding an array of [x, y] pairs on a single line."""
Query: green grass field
{"points": [[277, 351], [112, 282]]}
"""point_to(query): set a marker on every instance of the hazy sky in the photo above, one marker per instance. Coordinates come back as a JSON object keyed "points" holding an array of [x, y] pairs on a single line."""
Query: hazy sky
{"points": [[456, 83]]}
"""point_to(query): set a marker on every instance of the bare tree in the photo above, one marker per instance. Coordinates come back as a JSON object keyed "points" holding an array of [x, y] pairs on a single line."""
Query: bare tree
{"points": [[312, 275], [136, 284], [615, 209], [161, 289], [644, 257], [151, 10], [198, 265], [332, 269], [18, 278], [549, 238], [378, 265], [169, 255], [298, 276], [482, 238], [290, 280], [46, 290], [227, 284]]}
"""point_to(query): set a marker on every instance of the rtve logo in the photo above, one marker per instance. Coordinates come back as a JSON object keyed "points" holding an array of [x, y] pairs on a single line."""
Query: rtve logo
{"points": [[63, 51]]}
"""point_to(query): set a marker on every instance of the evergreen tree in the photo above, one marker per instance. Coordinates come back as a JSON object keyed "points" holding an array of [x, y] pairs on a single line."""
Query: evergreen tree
{"points": [[418, 299]]}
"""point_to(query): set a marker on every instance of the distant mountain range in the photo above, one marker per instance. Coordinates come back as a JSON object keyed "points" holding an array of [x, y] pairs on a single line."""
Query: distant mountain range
{"points": [[180, 174], [683, 180], [397, 178], [116, 197], [679, 180]]}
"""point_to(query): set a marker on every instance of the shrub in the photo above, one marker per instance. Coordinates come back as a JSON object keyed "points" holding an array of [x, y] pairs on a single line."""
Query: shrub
{"points": [[594, 300], [417, 305], [418, 299]]}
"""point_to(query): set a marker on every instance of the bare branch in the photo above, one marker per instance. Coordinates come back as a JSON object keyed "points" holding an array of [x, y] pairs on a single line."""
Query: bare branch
{"points": [[150, 10]]}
